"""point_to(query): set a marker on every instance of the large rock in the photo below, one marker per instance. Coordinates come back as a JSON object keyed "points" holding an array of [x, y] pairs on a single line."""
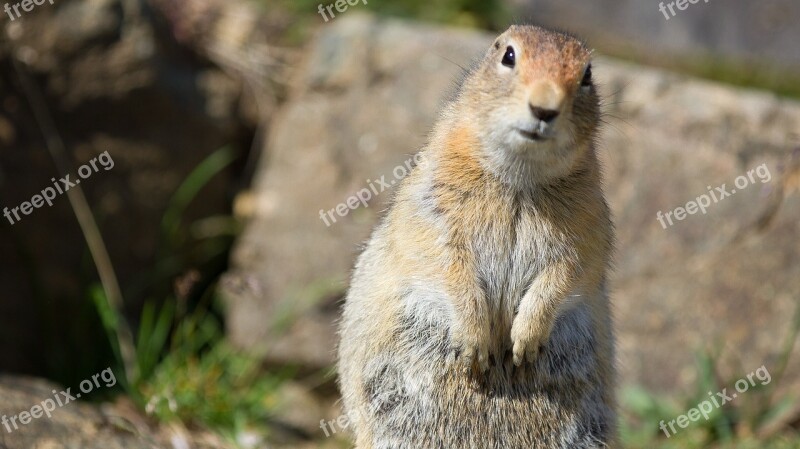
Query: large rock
{"points": [[727, 280], [361, 108], [763, 33], [75, 425], [724, 282]]}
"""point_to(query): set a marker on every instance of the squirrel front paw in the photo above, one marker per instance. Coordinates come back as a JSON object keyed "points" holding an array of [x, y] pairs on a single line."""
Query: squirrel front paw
{"points": [[469, 347], [528, 335]]}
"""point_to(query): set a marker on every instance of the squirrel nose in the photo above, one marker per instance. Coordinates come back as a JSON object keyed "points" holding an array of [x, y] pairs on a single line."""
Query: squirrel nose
{"points": [[545, 115], [545, 99]]}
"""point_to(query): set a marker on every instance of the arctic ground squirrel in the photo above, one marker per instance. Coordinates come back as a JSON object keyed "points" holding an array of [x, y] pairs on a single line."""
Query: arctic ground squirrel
{"points": [[478, 314]]}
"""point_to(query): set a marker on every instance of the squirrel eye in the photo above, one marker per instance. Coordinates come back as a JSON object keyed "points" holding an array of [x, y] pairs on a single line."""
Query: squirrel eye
{"points": [[509, 58], [587, 77]]}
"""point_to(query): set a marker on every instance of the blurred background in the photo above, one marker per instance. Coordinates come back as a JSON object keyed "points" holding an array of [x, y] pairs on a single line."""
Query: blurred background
{"points": [[198, 269]]}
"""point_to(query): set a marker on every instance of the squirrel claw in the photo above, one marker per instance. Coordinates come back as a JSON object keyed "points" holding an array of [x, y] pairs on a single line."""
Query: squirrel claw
{"points": [[468, 356], [523, 352], [528, 341], [479, 356]]}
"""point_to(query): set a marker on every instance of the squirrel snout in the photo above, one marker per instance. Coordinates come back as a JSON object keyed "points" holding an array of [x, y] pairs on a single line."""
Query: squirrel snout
{"points": [[545, 115], [545, 101]]}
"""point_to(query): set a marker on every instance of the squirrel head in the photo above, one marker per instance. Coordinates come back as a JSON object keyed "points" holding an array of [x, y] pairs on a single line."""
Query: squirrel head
{"points": [[535, 104]]}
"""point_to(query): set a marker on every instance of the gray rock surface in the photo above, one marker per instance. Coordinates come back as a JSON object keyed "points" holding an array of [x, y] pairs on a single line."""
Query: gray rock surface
{"points": [[369, 92], [83, 425], [360, 108], [76, 425], [742, 30]]}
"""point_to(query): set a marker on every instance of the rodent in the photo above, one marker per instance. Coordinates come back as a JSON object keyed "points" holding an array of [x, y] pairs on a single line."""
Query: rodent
{"points": [[478, 314]]}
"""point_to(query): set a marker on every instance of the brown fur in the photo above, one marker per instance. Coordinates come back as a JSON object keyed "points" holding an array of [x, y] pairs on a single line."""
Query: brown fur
{"points": [[478, 316]]}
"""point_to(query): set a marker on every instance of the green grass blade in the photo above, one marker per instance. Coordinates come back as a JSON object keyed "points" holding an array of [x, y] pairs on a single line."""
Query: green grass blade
{"points": [[191, 186]]}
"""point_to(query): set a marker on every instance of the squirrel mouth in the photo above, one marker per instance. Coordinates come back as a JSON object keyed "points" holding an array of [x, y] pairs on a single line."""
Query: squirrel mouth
{"points": [[533, 135]]}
